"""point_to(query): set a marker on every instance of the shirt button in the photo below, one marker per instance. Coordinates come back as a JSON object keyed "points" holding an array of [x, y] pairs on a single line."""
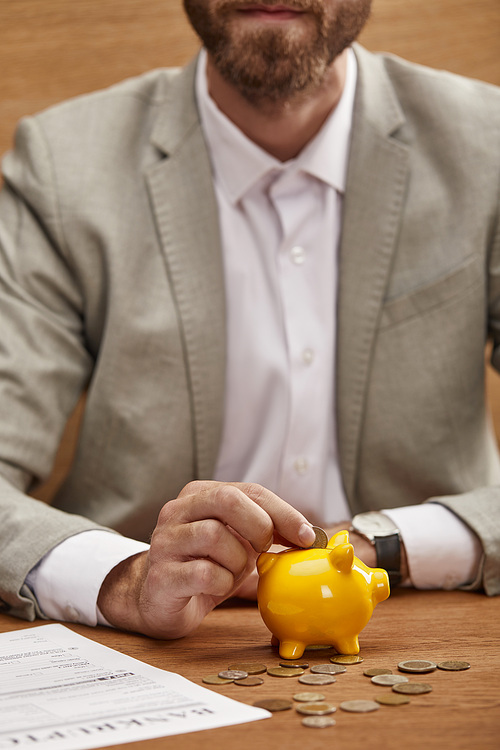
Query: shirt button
{"points": [[307, 356], [301, 465], [297, 255]]}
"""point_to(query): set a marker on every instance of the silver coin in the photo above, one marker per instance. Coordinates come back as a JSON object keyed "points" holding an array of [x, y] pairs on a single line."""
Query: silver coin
{"points": [[308, 697], [321, 538], [317, 679], [233, 674], [417, 666], [359, 706], [315, 709], [389, 679], [318, 722], [328, 669]]}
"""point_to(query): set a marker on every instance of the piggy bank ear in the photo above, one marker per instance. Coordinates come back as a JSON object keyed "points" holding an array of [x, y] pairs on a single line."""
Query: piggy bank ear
{"points": [[341, 537], [342, 557], [265, 561]]}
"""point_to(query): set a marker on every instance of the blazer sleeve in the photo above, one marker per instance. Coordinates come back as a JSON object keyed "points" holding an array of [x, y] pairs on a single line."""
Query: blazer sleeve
{"points": [[480, 508], [44, 361]]}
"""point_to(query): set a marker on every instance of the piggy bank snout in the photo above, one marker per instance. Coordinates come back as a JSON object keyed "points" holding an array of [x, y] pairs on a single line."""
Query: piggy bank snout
{"points": [[381, 588]]}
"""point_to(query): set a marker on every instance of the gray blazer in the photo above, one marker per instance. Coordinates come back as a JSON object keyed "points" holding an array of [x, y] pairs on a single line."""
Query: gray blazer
{"points": [[111, 280]]}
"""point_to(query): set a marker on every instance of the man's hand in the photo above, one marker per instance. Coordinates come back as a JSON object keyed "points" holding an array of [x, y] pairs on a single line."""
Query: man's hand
{"points": [[203, 550]]}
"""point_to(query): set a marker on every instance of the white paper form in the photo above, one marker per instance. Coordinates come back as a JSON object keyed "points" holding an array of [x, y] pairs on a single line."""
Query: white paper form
{"points": [[61, 691]]}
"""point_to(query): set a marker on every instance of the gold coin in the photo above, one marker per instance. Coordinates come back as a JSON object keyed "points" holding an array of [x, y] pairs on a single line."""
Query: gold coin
{"points": [[375, 671], [359, 706], [389, 679], [328, 669], [309, 697], [274, 704], [453, 666], [392, 699], [233, 674], [249, 681], [294, 664], [317, 647], [250, 667], [412, 688], [317, 679], [284, 671], [315, 709], [321, 538], [417, 666], [346, 659], [214, 679], [318, 722]]}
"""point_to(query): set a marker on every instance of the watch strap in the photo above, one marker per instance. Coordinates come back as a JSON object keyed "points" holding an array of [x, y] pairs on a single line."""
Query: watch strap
{"points": [[388, 549]]}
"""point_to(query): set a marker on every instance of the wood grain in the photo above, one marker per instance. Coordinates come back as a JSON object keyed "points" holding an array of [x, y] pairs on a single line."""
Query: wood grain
{"points": [[462, 712], [457, 35]]}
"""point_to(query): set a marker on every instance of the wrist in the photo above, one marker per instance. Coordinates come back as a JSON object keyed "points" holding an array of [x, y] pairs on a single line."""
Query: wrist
{"points": [[383, 535], [120, 592]]}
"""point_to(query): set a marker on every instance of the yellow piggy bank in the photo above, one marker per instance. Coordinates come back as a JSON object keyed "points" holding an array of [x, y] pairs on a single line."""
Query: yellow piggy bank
{"points": [[318, 596]]}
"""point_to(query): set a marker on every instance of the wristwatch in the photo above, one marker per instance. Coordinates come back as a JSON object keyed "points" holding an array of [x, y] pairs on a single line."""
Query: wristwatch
{"points": [[380, 531]]}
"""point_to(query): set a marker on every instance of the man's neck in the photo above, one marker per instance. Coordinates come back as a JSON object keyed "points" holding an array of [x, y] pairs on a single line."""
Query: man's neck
{"points": [[280, 128]]}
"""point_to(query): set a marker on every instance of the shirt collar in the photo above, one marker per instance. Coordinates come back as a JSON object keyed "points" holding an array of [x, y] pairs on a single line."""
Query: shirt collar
{"points": [[325, 157]]}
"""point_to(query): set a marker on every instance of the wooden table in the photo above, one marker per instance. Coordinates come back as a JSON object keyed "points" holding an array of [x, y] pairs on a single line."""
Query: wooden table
{"points": [[462, 711]]}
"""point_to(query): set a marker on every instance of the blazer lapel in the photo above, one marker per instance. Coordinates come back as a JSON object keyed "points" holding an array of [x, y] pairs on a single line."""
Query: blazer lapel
{"points": [[186, 214], [375, 193]]}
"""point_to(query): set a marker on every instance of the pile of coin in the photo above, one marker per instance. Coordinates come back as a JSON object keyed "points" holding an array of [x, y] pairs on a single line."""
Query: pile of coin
{"points": [[243, 674], [316, 711]]}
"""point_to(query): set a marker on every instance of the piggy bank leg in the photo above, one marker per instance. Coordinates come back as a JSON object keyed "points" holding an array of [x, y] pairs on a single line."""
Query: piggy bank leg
{"points": [[291, 649], [347, 645]]}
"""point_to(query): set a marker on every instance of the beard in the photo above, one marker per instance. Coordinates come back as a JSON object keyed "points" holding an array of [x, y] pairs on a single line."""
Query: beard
{"points": [[270, 63]]}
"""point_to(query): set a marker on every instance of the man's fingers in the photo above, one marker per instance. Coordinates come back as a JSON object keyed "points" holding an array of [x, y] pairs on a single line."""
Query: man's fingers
{"points": [[197, 577], [226, 503], [290, 526], [212, 539], [266, 518]]}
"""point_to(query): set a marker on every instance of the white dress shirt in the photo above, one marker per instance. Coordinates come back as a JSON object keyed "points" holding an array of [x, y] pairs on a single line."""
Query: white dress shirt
{"points": [[280, 227]]}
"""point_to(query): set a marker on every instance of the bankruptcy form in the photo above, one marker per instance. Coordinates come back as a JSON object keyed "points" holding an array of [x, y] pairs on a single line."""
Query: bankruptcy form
{"points": [[59, 690]]}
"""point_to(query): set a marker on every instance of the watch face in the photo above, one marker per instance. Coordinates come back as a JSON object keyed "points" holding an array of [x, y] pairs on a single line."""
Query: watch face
{"points": [[374, 524]]}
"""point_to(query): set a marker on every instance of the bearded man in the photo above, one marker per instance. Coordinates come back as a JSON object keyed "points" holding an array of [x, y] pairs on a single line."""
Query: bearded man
{"points": [[274, 271]]}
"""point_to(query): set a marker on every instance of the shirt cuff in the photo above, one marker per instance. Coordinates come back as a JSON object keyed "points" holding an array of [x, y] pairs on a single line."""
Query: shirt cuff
{"points": [[441, 550], [67, 580]]}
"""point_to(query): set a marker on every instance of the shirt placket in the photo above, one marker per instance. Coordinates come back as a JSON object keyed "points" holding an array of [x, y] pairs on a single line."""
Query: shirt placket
{"points": [[306, 280]]}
